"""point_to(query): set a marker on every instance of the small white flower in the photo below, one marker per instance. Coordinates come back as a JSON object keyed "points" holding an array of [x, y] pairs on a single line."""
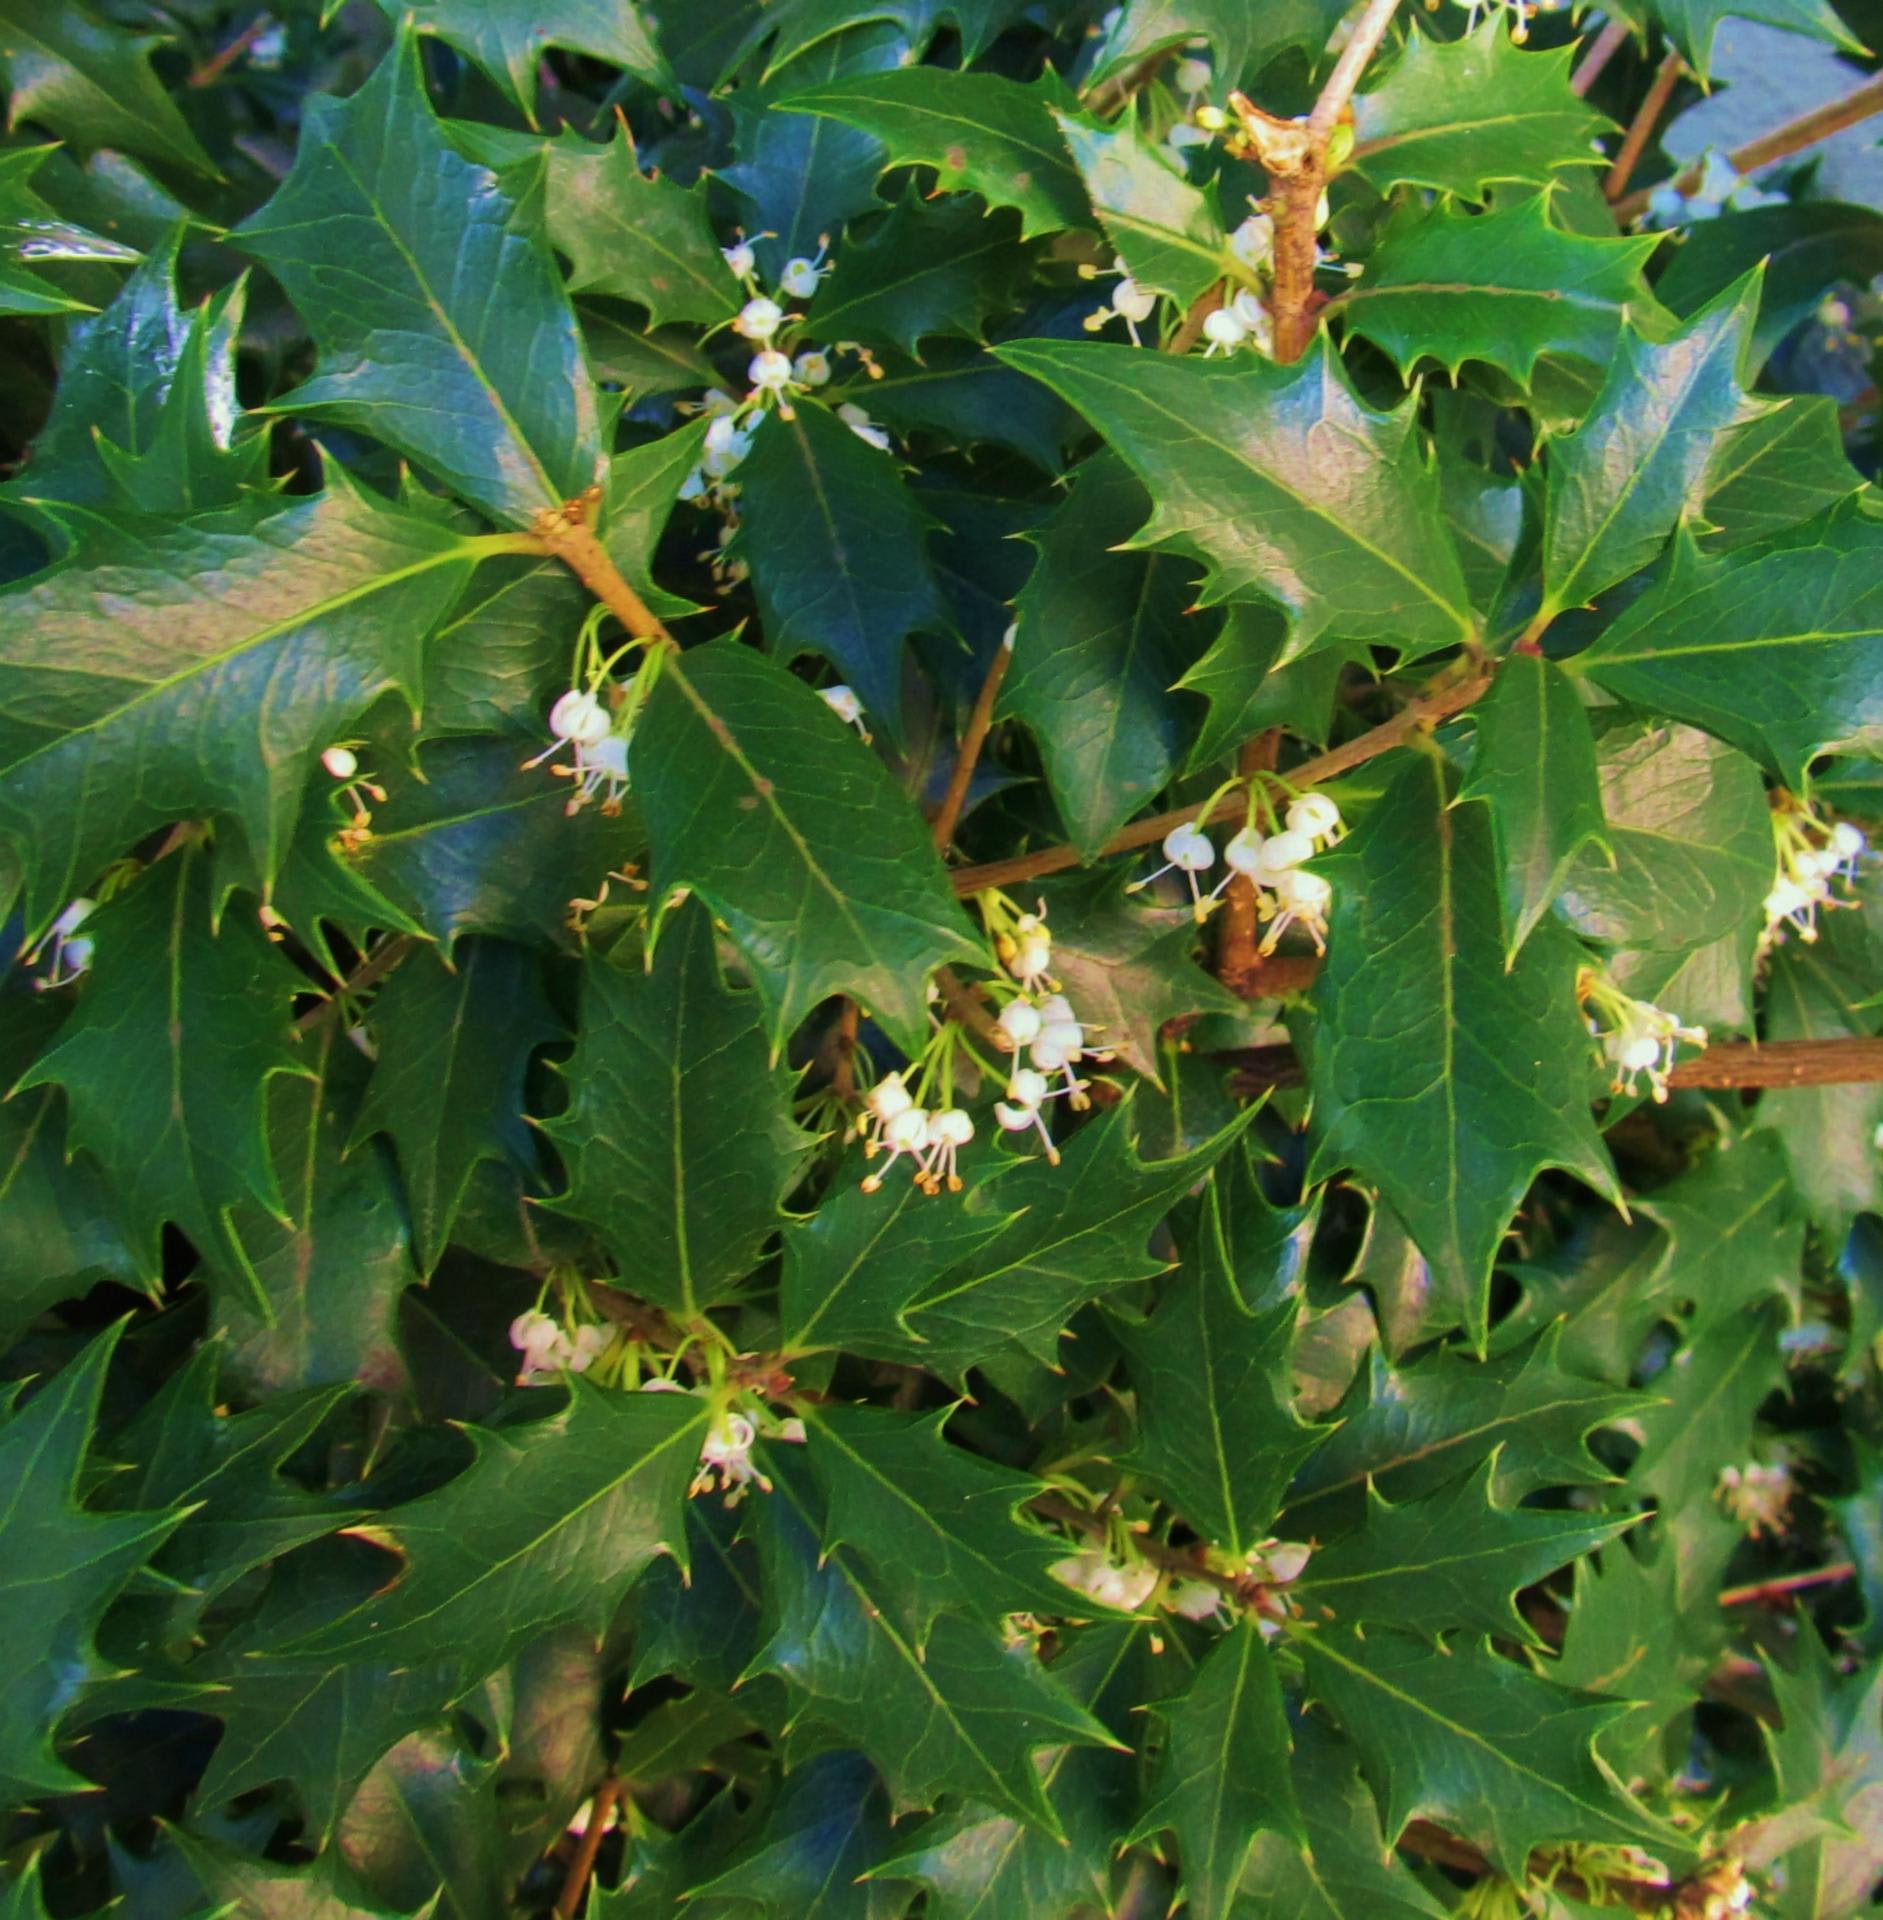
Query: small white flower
{"points": [[770, 371], [812, 367], [1286, 849], [800, 276], [948, 1132], [726, 444], [1316, 816], [1303, 901], [1130, 303], [1637, 1037], [1253, 243], [741, 259], [1756, 1496], [1019, 1023], [905, 1133], [599, 770], [589, 1345], [1193, 75], [577, 719], [1195, 1599], [1224, 332], [1187, 850], [1092, 1572], [862, 426], [843, 702], [759, 318], [342, 762], [1028, 950], [726, 1457]]}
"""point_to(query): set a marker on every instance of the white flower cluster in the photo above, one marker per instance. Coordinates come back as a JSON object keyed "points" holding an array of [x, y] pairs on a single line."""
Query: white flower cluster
{"points": [[1115, 1576], [582, 723], [1286, 896], [546, 1347], [1636, 1036], [1038, 1022], [1520, 12], [1756, 1496], [1123, 1584], [893, 1119], [70, 950], [726, 1462], [1815, 856]]}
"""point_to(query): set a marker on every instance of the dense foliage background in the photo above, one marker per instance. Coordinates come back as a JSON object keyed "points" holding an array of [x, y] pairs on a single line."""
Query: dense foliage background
{"points": [[651, 1257]]}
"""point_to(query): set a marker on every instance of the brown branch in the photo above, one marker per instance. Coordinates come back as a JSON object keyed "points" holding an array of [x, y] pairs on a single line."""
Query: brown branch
{"points": [[1439, 703], [1734, 1066], [575, 1882], [568, 536], [968, 754], [1191, 331], [1793, 137], [1109, 95], [1602, 49], [368, 973], [1641, 128], [843, 1049], [219, 63], [1238, 956], [1760, 1590]]}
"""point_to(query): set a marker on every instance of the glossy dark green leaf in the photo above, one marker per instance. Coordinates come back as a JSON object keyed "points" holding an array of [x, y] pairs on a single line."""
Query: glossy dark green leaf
{"points": [[977, 130], [1411, 1428], [1412, 1299], [764, 803], [31, 232], [434, 299], [508, 38], [1504, 287], [964, 1714], [1166, 230], [1452, 1559], [798, 25], [929, 268], [249, 1887], [1637, 466], [551, 1522], [1100, 637], [1460, 115], [1238, 36], [678, 1136], [165, 1064], [1692, 24], [266, 628], [1710, 1392], [970, 399], [1497, 1755], [1687, 856], [329, 1276], [1217, 1435], [67, 68], [426, 1827], [1782, 468], [1773, 647], [1451, 1118], [837, 547], [57, 1236], [1534, 766], [50, 1544], [1222, 1775], [939, 1523], [1231, 456], [453, 1046], [1248, 692]]}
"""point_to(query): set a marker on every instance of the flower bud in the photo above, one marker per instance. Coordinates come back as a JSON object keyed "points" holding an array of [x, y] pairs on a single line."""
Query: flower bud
{"points": [[1315, 815], [579, 718], [1020, 1021], [759, 319], [342, 762]]}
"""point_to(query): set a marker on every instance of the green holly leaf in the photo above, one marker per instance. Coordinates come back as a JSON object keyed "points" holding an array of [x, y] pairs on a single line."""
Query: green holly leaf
{"points": [[1452, 1122], [1504, 286], [1710, 1394], [453, 1046], [634, 235], [1221, 1776], [1346, 1871], [30, 230], [1828, 1133], [977, 1862], [644, 364], [224, 1469], [50, 1544], [91, 83], [1459, 116], [1410, 1429], [1217, 1435], [1165, 229], [1100, 635], [1412, 1300], [1129, 969], [763, 802], [1785, 466], [1452, 1559], [399, 254], [1534, 766], [795, 25], [1773, 647], [1241, 39], [969, 398], [431, 1820], [330, 1275], [837, 545], [940, 1524], [551, 1522], [990, 135], [678, 1136], [57, 1239], [246, 1887], [928, 267], [203, 618], [1603, 1290], [1619, 485], [1691, 24], [1230, 454], [1497, 1755], [1688, 854], [1248, 692], [508, 38], [828, 1826], [964, 1714], [166, 1060]]}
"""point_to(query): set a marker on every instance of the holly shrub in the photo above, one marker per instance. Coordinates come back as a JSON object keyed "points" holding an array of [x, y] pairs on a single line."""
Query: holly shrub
{"points": [[941, 972]]}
